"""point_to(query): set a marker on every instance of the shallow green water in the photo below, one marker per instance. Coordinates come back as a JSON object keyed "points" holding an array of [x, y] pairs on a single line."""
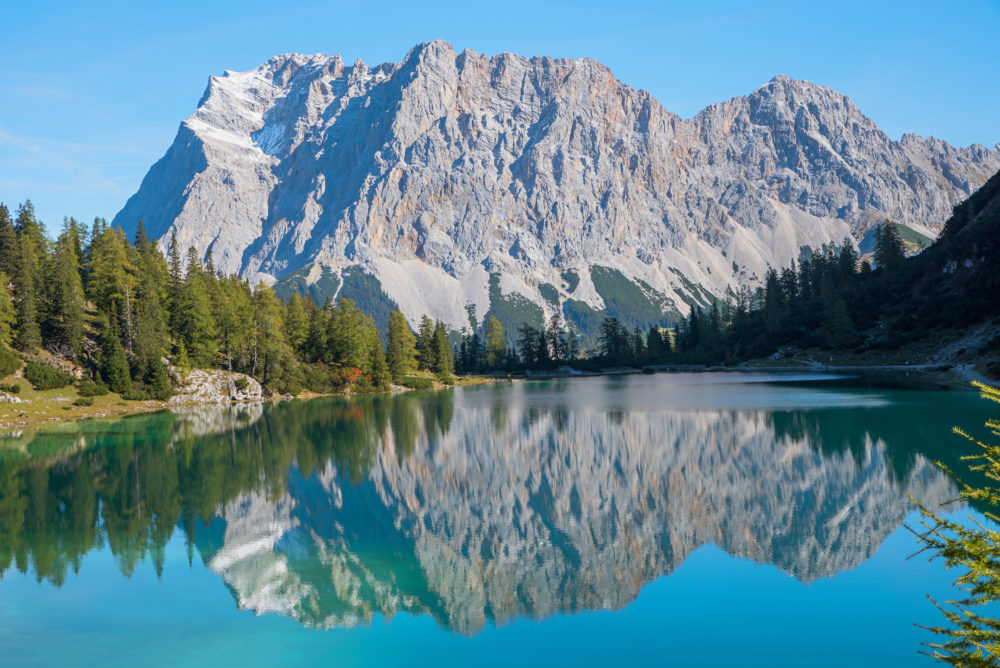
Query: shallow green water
{"points": [[704, 519]]}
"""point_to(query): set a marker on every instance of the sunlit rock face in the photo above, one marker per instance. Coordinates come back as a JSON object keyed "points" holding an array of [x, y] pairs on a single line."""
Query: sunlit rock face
{"points": [[435, 172], [501, 510]]}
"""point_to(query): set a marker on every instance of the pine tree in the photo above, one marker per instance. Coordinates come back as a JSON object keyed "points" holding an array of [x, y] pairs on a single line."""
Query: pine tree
{"points": [[889, 249], [444, 362], [156, 379], [31, 232], [175, 284], [8, 316], [27, 333], [572, 345], [654, 346], [273, 354], [10, 255], [181, 358], [64, 307], [296, 322], [400, 353], [114, 362], [151, 332], [556, 338], [494, 344], [838, 329], [426, 350], [378, 369], [314, 348], [348, 335], [195, 322]]}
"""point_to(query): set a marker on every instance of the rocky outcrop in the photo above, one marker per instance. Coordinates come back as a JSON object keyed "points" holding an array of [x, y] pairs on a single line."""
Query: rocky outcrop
{"points": [[212, 386], [438, 171]]}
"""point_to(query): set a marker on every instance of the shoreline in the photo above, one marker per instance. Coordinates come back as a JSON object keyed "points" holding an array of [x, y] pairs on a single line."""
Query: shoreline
{"points": [[950, 377], [113, 406]]}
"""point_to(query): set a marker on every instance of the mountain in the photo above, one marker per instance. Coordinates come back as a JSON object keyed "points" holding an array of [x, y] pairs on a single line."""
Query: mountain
{"points": [[522, 186], [524, 507]]}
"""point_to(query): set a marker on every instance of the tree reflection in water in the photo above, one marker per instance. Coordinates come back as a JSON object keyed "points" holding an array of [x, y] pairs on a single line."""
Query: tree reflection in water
{"points": [[469, 505]]}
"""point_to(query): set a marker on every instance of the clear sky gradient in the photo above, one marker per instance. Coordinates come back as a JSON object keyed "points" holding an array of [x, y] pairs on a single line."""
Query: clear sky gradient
{"points": [[91, 94]]}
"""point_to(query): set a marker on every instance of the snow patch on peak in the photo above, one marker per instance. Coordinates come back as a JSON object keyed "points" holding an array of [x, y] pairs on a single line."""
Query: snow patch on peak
{"points": [[269, 139]]}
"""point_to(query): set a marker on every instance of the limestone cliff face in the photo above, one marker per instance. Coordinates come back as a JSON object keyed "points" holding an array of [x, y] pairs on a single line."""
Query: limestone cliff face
{"points": [[437, 171], [534, 510]]}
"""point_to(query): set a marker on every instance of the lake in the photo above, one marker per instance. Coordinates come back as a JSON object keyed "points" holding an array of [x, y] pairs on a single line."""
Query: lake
{"points": [[677, 519]]}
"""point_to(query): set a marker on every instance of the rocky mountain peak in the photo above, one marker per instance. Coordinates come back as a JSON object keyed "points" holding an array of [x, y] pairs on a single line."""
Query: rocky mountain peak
{"points": [[435, 173]]}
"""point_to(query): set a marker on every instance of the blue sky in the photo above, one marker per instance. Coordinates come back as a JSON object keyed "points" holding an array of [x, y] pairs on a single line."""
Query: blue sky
{"points": [[91, 94]]}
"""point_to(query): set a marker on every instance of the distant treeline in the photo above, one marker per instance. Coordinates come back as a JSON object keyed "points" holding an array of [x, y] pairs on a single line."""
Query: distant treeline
{"points": [[120, 308], [830, 300]]}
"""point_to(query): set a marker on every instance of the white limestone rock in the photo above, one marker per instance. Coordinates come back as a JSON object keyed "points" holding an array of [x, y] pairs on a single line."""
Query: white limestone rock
{"points": [[435, 171], [212, 386]]}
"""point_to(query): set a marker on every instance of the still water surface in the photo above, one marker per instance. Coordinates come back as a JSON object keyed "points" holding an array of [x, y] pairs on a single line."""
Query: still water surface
{"points": [[683, 520]]}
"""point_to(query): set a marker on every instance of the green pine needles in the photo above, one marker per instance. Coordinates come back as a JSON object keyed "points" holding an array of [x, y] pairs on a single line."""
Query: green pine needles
{"points": [[972, 638]]}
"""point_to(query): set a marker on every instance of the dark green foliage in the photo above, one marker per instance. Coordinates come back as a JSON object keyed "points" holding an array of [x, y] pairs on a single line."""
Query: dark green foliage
{"points": [[692, 294], [377, 370], [572, 279], [156, 380], [584, 319], [348, 335], [444, 362], [63, 313], [513, 309], [616, 343], [400, 352], [88, 389], [84, 401], [971, 638], [241, 383], [630, 302], [45, 377], [418, 382], [366, 291], [549, 293], [12, 388], [9, 361], [114, 367], [28, 334], [148, 306], [195, 320], [889, 249], [9, 252], [426, 350], [325, 288]]}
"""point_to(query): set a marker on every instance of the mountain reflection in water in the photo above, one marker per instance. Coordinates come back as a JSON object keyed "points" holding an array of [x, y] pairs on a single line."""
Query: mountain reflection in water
{"points": [[482, 504]]}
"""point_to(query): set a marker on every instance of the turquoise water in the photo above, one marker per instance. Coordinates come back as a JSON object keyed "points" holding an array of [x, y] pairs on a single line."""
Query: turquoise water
{"points": [[706, 519]]}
